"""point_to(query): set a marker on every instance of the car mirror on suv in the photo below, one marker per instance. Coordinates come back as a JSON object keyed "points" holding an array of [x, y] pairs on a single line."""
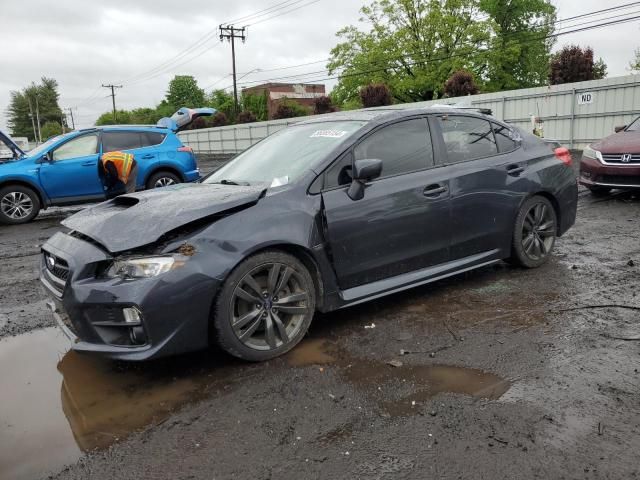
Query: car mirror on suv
{"points": [[620, 128], [363, 171], [46, 158]]}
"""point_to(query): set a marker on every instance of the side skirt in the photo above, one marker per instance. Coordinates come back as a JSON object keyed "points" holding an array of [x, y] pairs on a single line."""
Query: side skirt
{"points": [[370, 291]]}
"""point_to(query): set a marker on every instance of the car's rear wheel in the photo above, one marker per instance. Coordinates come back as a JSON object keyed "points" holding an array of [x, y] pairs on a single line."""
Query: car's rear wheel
{"points": [[162, 179], [534, 234], [18, 204], [600, 191], [265, 306]]}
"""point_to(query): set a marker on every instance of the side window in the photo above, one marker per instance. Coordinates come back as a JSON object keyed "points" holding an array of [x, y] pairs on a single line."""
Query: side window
{"points": [[78, 147], [403, 147], [114, 141], [466, 138], [504, 138], [340, 172], [150, 139]]}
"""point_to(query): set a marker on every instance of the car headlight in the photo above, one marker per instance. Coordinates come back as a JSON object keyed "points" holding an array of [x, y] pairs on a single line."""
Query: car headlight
{"points": [[591, 153], [143, 267]]}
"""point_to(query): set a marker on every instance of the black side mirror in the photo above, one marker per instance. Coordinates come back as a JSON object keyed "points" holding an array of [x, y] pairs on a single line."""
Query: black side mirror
{"points": [[620, 128], [46, 158], [364, 171]]}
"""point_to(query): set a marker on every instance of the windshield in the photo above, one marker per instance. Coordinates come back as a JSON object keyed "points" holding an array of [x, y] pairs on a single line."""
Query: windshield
{"points": [[635, 126], [42, 148], [284, 156]]}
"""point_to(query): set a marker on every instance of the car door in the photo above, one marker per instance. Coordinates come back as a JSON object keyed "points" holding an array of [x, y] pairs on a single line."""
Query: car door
{"points": [[71, 174], [482, 206], [402, 222]]}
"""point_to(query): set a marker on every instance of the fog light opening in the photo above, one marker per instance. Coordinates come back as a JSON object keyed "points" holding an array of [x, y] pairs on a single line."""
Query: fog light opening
{"points": [[137, 336]]}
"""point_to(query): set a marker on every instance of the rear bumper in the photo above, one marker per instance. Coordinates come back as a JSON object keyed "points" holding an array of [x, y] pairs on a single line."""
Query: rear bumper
{"points": [[595, 174], [192, 175], [174, 307]]}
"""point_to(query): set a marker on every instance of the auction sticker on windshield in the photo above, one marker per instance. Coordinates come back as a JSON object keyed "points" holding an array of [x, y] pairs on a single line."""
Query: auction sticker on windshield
{"points": [[328, 133]]}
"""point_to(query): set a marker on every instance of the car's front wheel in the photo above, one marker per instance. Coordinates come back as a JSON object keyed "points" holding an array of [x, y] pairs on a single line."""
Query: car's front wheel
{"points": [[534, 232], [162, 179], [265, 306], [18, 204]]}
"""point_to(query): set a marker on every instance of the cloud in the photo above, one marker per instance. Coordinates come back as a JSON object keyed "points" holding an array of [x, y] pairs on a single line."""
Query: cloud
{"points": [[84, 44]]}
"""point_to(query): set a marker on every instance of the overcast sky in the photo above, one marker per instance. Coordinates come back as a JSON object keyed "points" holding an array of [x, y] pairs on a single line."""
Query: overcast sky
{"points": [[83, 44]]}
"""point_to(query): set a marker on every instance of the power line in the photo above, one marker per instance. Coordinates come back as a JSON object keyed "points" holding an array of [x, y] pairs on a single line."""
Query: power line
{"points": [[283, 13], [431, 60]]}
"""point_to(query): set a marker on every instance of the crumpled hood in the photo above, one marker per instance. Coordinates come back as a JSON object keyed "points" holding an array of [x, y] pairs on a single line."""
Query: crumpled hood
{"points": [[623, 142], [138, 219]]}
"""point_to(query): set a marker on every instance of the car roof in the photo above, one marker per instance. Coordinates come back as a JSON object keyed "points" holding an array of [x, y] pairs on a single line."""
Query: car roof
{"points": [[140, 128], [383, 114]]}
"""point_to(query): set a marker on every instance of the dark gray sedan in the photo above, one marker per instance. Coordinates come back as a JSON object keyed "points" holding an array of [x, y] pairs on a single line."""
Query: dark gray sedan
{"points": [[333, 211]]}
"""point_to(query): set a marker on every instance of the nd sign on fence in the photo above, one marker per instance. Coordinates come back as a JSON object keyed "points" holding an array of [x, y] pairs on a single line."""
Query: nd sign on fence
{"points": [[585, 98]]}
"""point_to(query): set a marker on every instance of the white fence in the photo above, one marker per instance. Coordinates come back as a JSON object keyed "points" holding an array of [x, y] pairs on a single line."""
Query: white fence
{"points": [[575, 114]]}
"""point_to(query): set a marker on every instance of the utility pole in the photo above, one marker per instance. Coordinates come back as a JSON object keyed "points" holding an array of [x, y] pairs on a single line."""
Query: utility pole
{"points": [[38, 119], [229, 32], [113, 99], [73, 124], [33, 123]]}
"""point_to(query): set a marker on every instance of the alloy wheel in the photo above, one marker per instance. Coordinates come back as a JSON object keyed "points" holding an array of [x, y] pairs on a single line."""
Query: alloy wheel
{"points": [[538, 231], [269, 305], [164, 182], [16, 205]]}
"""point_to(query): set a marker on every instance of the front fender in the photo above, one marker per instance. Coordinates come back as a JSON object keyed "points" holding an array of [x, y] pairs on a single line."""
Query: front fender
{"points": [[29, 182]]}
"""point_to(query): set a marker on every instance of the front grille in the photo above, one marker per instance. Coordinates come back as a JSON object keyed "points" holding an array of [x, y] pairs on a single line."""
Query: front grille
{"points": [[622, 159], [619, 179], [55, 272]]}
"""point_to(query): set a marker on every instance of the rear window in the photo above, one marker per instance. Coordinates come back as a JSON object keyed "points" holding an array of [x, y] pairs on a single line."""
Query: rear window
{"points": [[150, 139]]}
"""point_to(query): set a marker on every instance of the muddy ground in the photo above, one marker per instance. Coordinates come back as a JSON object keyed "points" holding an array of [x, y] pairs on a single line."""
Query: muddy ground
{"points": [[509, 374]]}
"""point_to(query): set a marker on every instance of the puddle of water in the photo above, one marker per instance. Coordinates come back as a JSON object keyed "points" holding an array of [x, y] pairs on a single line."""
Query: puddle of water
{"points": [[57, 404], [309, 352], [400, 390]]}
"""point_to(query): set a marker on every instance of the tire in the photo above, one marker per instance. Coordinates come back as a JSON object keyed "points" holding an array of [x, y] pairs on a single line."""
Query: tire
{"points": [[18, 204], [284, 306], [599, 191], [163, 178], [534, 233]]}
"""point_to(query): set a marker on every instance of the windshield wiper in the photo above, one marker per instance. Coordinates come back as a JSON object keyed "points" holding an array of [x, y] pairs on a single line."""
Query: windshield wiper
{"points": [[224, 181]]}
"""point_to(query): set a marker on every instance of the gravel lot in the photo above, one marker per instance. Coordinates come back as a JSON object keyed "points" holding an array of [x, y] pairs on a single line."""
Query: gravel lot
{"points": [[510, 374]]}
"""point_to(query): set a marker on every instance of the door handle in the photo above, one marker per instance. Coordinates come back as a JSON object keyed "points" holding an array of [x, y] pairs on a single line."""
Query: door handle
{"points": [[147, 156], [89, 164], [434, 190], [514, 170]]}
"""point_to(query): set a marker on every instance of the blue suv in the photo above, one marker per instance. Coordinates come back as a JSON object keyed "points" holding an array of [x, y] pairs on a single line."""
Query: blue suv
{"points": [[64, 169]]}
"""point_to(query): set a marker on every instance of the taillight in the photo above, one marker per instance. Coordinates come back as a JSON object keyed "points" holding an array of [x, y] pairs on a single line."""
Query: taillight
{"points": [[564, 155], [185, 149]]}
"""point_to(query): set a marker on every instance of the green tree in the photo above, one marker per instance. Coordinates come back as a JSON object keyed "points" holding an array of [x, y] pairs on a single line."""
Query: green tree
{"points": [[413, 46], [222, 101], [184, 92], [288, 109], [635, 63], [599, 69], [43, 98], [50, 129], [520, 47], [257, 105]]}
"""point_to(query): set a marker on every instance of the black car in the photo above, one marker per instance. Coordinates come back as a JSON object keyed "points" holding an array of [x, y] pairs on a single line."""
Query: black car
{"points": [[333, 211]]}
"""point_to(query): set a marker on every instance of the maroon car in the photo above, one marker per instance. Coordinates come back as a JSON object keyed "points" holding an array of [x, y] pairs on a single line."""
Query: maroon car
{"points": [[613, 162]]}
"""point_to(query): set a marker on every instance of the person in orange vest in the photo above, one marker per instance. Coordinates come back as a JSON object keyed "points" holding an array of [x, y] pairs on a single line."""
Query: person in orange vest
{"points": [[119, 171]]}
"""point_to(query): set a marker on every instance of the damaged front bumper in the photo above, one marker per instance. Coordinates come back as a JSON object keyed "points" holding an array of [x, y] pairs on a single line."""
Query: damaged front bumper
{"points": [[124, 319]]}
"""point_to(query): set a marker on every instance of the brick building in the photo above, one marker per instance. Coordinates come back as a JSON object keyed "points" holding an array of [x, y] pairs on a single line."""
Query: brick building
{"points": [[301, 93]]}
